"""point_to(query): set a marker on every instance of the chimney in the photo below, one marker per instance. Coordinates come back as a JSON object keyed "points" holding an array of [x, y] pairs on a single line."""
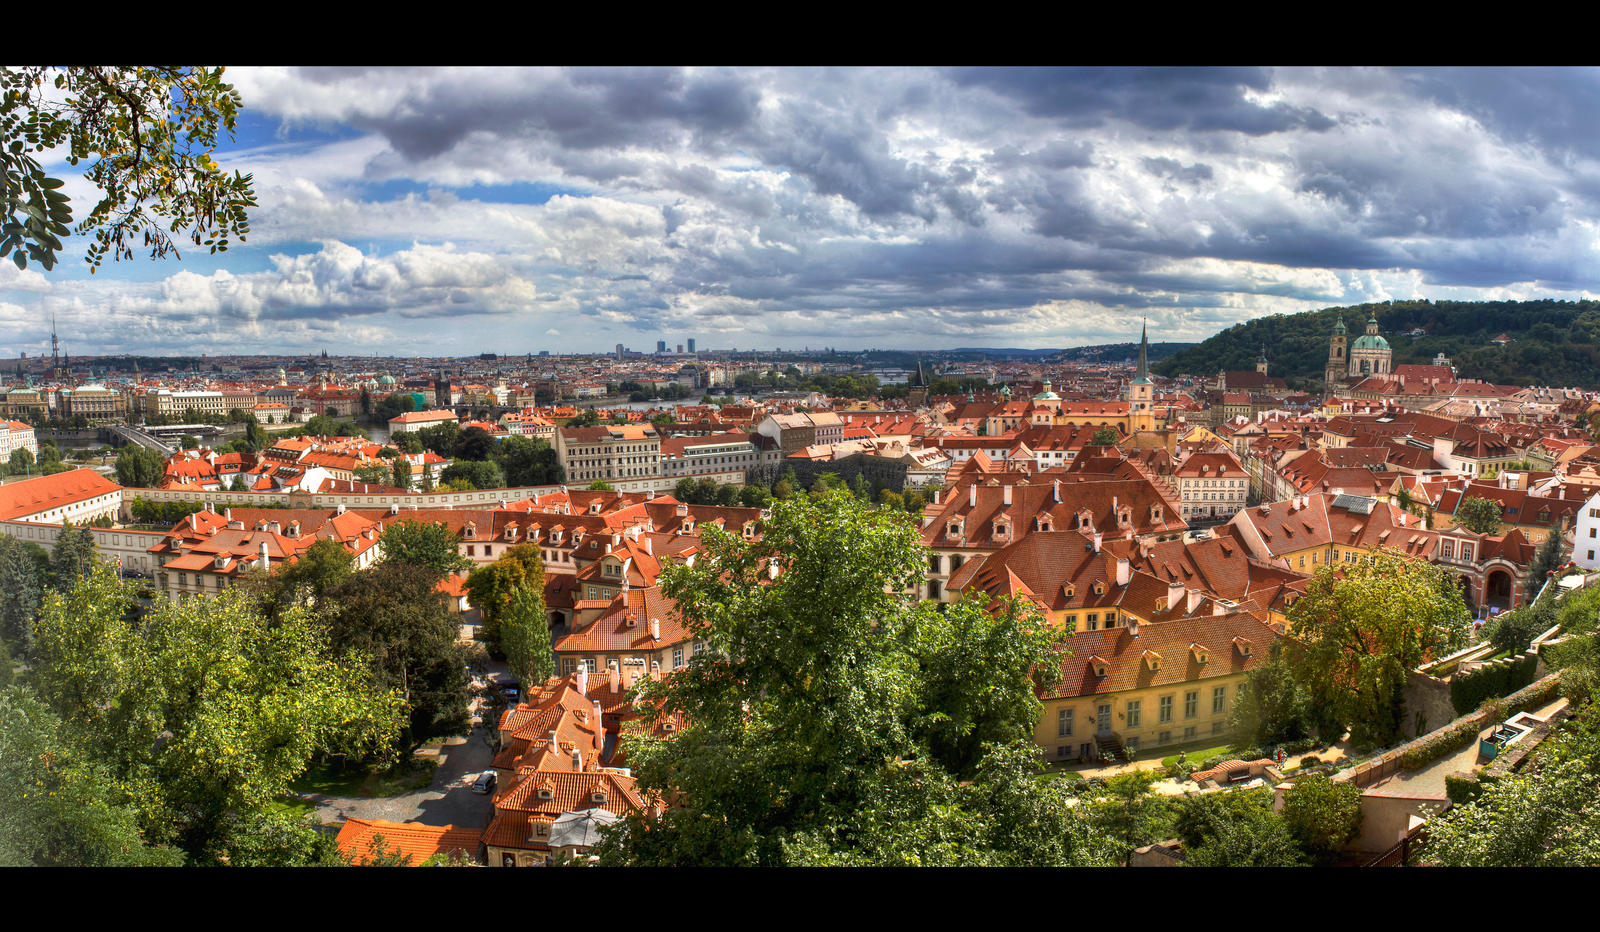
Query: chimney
{"points": [[1096, 541], [266, 561], [1055, 490], [599, 715], [1192, 601], [1216, 608], [583, 679], [1133, 627], [972, 495], [614, 676], [1006, 494], [1123, 568], [394, 508], [339, 510], [1174, 593], [577, 759]]}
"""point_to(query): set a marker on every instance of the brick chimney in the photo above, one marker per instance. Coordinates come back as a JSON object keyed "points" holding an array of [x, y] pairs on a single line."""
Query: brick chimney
{"points": [[1174, 593]]}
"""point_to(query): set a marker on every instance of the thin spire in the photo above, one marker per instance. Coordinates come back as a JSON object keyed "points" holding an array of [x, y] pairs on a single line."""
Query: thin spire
{"points": [[1143, 372]]}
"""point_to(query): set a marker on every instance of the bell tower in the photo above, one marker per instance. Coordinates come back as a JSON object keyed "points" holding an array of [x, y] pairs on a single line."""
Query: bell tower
{"points": [[1338, 361]]}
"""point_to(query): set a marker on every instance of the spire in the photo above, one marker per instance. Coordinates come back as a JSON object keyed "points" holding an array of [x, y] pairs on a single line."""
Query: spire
{"points": [[1142, 374]]}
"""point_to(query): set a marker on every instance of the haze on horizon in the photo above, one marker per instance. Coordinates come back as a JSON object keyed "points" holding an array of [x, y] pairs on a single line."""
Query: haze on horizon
{"points": [[455, 211]]}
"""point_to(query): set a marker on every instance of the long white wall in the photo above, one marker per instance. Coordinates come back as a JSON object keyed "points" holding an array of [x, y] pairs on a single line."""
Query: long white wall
{"points": [[477, 498]]}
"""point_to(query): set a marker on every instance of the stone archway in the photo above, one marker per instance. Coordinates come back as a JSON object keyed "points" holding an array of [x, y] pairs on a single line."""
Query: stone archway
{"points": [[1498, 588]]}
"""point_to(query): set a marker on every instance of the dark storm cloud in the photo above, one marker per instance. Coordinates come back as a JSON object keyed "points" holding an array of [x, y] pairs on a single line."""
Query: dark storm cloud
{"points": [[1166, 99]]}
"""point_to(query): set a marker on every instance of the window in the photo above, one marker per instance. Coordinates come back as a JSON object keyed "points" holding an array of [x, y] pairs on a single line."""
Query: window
{"points": [[1064, 751], [1133, 744], [1094, 621], [568, 665], [1216, 728], [588, 664], [1133, 712], [1166, 710], [1191, 703], [677, 657], [1219, 700], [1064, 723], [1189, 733], [1164, 737]]}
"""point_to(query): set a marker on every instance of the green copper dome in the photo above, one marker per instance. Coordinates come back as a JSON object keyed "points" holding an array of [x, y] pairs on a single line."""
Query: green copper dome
{"points": [[1370, 341], [1338, 325]]}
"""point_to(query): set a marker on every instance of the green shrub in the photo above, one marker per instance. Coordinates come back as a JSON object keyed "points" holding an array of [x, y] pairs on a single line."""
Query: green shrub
{"points": [[1468, 691], [1461, 790]]}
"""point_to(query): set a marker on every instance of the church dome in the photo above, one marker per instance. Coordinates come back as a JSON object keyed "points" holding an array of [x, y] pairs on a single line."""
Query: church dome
{"points": [[1370, 341], [386, 380]]}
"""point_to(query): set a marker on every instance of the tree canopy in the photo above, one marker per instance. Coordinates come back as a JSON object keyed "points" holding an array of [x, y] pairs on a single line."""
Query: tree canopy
{"points": [[1359, 628], [833, 712], [1479, 515], [148, 133]]}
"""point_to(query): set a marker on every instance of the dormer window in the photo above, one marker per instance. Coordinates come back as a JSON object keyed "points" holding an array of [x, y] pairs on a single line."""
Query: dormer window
{"points": [[953, 528], [1099, 665], [594, 508], [1124, 516], [1043, 523], [1152, 660], [470, 532], [1002, 528], [1201, 655], [669, 727], [1085, 521], [1069, 590], [1099, 587], [1243, 646], [598, 797], [1155, 514], [546, 792]]}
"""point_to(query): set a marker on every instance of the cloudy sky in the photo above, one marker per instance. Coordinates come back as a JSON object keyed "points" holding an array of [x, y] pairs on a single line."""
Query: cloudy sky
{"points": [[440, 211]]}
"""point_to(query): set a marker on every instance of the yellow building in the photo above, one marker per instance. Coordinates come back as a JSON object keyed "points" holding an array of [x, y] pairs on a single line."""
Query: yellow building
{"points": [[1148, 686]]}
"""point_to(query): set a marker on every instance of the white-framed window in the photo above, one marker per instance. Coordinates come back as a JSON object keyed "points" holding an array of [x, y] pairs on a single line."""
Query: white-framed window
{"points": [[1133, 711], [1191, 703], [677, 657], [1219, 700], [1165, 710], [1064, 723]]}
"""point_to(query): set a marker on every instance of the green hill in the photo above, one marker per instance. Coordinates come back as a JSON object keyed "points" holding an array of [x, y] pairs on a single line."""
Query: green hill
{"points": [[1554, 342]]}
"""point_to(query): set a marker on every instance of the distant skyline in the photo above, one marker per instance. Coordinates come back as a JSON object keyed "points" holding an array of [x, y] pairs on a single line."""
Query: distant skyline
{"points": [[458, 211]]}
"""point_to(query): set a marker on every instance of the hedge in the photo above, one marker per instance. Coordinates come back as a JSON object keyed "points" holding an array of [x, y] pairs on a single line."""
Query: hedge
{"points": [[1464, 731], [1491, 681]]}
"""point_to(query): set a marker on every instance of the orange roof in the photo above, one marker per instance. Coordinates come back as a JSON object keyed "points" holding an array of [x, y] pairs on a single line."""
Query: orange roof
{"points": [[413, 839], [46, 493]]}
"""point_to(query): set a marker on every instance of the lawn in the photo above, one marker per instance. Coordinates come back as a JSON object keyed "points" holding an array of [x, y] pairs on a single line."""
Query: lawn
{"points": [[1198, 755], [340, 779]]}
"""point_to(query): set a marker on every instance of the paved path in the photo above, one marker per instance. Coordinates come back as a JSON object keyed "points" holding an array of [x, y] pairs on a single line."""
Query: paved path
{"points": [[449, 800]]}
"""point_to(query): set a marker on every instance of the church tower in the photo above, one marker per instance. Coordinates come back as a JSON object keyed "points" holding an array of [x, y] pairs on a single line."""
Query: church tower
{"points": [[1261, 361], [1141, 391], [1338, 362]]}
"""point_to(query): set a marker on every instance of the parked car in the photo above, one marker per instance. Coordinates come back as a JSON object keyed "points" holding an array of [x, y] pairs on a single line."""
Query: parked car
{"points": [[485, 782]]}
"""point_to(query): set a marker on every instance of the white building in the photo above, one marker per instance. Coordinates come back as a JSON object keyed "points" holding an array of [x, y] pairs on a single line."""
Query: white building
{"points": [[15, 435], [1586, 535]]}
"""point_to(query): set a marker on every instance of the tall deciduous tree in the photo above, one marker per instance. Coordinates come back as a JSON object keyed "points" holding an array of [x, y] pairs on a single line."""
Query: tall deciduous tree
{"points": [[203, 711], [490, 588], [1323, 816], [394, 615], [1359, 628], [431, 546], [138, 467], [1479, 515], [525, 634], [809, 716], [62, 810]]}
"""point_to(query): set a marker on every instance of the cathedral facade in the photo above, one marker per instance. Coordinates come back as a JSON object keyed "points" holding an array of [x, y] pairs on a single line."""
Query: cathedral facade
{"points": [[1368, 355]]}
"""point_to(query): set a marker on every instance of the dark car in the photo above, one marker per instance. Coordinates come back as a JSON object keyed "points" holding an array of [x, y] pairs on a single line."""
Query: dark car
{"points": [[485, 782]]}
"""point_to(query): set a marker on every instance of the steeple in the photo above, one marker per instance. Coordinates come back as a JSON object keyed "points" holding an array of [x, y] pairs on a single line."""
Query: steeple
{"points": [[1142, 374]]}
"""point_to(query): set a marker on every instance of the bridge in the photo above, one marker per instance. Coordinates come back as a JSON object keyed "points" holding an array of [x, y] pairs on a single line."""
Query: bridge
{"points": [[129, 434]]}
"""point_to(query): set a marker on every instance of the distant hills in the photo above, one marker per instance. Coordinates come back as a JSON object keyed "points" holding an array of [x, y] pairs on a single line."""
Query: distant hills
{"points": [[1120, 351], [1553, 342]]}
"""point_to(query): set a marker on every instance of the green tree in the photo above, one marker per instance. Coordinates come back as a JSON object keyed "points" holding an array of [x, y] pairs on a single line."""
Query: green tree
{"points": [[1323, 816], [239, 484], [323, 566], [148, 134], [62, 810], [479, 474], [401, 473], [1479, 515], [526, 462], [406, 442], [1359, 628], [600, 485], [474, 443], [20, 589], [1106, 437], [72, 558], [203, 711], [525, 634], [1259, 839], [1547, 815], [431, 546], [374, 475], [396, 616], [1545, 562], [1270, 707], [21, 461], [490, 588], [806, 716]]}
